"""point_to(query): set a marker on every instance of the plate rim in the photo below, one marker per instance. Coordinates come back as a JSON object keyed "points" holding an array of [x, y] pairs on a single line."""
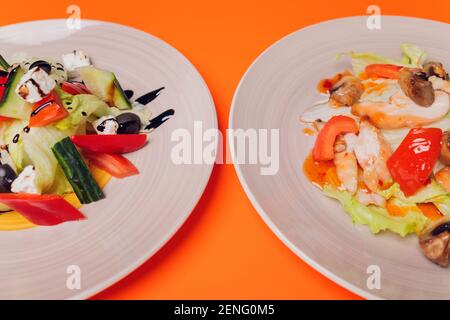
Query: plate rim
{"points": [[105, 284], [261, 212]]}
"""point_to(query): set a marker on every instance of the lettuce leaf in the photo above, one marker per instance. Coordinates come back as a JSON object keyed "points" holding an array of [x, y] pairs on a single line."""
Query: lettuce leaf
{"points": [[37, 144], [432, 192], [412, 56], [82, 106], [377, 218]]}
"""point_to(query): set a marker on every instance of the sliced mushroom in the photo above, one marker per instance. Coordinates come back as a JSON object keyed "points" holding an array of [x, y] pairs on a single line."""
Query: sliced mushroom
{"points": [[435, 241], [347, 91], [415, 85], [434, 68], [445, 149]]}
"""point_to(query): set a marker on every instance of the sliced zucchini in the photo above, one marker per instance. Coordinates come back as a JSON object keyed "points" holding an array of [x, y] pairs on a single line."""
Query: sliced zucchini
{"points": [[77, 172], [12, 105], [105, 85]]}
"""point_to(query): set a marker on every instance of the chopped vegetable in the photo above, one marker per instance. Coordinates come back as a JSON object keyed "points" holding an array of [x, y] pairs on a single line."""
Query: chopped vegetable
{"points": [[3, 83], [378, 218], [76, 171], [48, 110], [412, 57], [115, 164], [74, 88], [431, 193], [388, 71], [43, 210], [3, 64], [324, 146], [80, 108], [11, 105], [413, 161], [110, 143]]}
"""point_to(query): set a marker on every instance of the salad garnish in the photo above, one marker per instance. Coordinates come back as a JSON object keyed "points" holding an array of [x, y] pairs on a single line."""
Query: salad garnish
{"points": [[382, 147], [64, 127]]}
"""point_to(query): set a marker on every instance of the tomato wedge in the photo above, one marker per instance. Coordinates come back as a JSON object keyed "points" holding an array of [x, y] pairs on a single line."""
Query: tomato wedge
{"points": [[324, 146], [48, 110], [74, 88], [42, 210], [413, 161], [110, 143], [387, 71], [115, 164], [4, 78]]}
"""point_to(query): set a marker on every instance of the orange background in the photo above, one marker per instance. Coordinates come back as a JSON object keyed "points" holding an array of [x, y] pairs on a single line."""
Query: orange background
{"points": [[224, 251]]}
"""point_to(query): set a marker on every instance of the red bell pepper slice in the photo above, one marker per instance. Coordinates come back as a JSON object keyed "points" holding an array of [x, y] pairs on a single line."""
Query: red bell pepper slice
{"points": [[324, 146], [4, 78], [42, 210], [115, 164], [74, 88], [413, 161], [110, 143], [387, 71], [48, 110]]}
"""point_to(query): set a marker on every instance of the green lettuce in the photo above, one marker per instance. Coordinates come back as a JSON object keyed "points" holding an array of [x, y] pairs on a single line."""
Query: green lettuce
{"points": [[80, 108], [377, 218], [37, 145], [432, 192], [412, 56]]}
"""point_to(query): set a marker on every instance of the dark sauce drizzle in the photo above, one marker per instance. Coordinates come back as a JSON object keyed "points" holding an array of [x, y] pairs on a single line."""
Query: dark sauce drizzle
{"points": [[149, 97], [159, 120], [129, 93]]}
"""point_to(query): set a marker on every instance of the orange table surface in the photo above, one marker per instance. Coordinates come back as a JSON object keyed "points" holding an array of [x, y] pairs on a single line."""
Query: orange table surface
{"points": [[224, 251]]}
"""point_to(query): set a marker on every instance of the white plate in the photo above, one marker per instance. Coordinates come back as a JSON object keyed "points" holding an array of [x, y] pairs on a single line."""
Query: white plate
{"points": [[140, 213], [276, 89]]}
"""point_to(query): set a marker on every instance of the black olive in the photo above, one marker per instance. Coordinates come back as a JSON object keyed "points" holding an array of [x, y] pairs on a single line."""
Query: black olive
{"points": [[129, 123], [44, 65], [7, 176], [3, 73], [440, 229]]}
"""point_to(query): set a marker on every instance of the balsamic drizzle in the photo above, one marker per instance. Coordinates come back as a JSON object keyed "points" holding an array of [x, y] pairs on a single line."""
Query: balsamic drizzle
{"points": [[129, 93], [159, 120], [149, 97]]}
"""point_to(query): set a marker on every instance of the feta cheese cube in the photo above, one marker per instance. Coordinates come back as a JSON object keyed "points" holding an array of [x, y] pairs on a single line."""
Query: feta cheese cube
{"points": [[75, 59], [35, 85], [25, 181], [106, 125]]}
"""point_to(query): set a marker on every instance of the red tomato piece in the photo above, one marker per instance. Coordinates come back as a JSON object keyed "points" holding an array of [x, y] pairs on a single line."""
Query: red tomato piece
{"points": [[115, 164], [413, 161], [110, 143], [74, 88], [48, 110]]}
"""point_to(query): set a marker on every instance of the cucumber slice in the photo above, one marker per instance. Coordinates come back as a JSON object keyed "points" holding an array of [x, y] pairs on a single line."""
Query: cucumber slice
{"points": [[120, 99], [105, 85], [12, 105], [76, 171]]}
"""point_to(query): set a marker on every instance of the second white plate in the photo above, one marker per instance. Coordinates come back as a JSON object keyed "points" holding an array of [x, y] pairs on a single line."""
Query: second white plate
{"points": [[275, 91]]}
